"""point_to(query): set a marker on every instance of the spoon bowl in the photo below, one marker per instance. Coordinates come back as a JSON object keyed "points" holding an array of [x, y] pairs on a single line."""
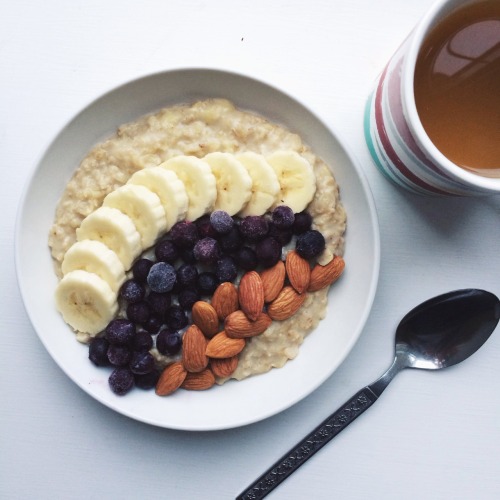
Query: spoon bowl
{"points": [[438, 333]]}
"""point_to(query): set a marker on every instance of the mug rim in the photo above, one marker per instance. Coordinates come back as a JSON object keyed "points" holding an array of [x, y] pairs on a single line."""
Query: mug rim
{"points": [[427, 22]]}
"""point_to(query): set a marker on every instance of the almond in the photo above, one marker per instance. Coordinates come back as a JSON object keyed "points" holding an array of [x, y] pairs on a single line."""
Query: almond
{"points": [[200, 381], [298, 271], [273, 280], [238, 326], [171, 379], [251, 294], [286, 304], [322, 276], [205, 318], [222, 346], [225, 300], [194, 345], [224, 367]]}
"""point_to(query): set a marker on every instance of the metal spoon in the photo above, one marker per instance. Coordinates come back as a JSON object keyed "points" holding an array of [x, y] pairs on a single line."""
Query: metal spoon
{"points": [[440, 332]]}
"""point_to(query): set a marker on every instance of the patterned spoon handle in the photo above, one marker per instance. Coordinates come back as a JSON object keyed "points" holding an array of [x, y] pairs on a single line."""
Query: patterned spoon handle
{"points": [[313, 442]]}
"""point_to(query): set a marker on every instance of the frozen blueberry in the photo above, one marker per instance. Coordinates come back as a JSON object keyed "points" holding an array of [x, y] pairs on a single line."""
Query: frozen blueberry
{"points": [[268, 251], [246, 258], [187, 275], [207, 283], [283, 235], [159, 303], [121, 381], [142, 362], [221, 221], [148, 380], [120, 332], [302, 223], [153, 324], [188, 297], [132, 291], [119, 355], [283, 217], [310, 244], [168, 343], [206, 250], [231, 241], [138, 312], [141, 268], [225, 270], [166, 251], [161, 277], [98, 350], [142, 341], [184, 234], [254, 228], [205, 228], [176, 318]]}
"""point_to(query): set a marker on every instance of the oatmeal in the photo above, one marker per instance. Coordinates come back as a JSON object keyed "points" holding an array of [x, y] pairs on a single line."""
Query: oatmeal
{"points": [[199, 129]]}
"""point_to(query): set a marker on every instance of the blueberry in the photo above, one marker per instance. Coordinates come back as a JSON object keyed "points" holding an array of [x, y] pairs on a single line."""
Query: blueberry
{"points": [[283, 217], [268, 251], [142, 362], [98, 349], [138, 312], [246, 258], [121, 381], [206, 250], [310, 244], [119, 355], [231, 241], [132, 291], [225, 269], [168, 343], [161, 277], [188, 297], [205, 228], [176, 318], [148, 380], [302, 223], [221, 221], [166, 251], [152, 325], [120, 332], [184, 234], [142, 341], [207, 283], [187, 275], [283, 235], [141, 268], [159, 303], [254, 228]]}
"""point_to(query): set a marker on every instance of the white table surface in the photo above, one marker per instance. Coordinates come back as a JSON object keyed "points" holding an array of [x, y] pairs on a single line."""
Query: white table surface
{"points": [[433, 435]]}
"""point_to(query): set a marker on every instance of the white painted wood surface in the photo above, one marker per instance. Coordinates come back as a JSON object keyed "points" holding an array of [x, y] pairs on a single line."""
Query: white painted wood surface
{"points": [[432, 435]]}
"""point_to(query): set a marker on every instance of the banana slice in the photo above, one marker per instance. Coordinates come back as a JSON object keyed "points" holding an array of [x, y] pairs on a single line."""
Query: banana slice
{"points": [[143, 207], [85, 301], [296, 177], [265, 185], [233, 183], [95, 257], [199, 183], [168, 187], [116, 230]]}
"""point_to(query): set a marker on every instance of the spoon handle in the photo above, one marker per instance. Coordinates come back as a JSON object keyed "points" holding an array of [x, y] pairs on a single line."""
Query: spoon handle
{"points": [[312, 443]]}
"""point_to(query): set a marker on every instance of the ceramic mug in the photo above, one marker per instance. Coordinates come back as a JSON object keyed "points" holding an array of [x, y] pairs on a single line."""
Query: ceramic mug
{"points": [[395, 136]]}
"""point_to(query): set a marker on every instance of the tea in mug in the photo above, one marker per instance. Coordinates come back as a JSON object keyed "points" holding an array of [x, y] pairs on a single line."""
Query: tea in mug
{"points": [[457, 87]]}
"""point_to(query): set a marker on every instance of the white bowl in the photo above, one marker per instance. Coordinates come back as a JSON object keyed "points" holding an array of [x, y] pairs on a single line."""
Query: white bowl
{"points": [[235, 403]]}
